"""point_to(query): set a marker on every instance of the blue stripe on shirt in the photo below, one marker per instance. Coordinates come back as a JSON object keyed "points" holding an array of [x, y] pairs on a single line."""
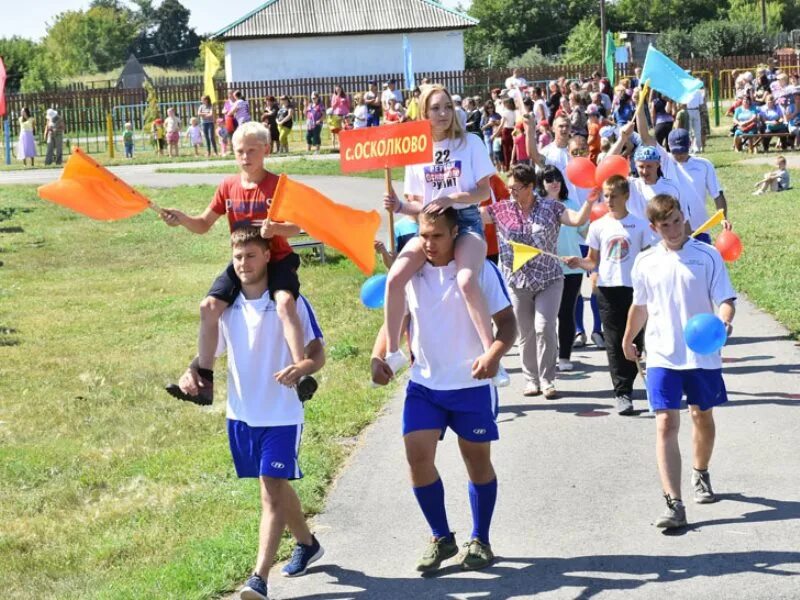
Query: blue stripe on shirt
{"points": [[314, 325], [500, 279]]}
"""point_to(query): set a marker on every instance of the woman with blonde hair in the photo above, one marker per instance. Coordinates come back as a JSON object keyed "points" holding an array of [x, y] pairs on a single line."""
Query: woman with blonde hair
{"points": [[458, 177]]}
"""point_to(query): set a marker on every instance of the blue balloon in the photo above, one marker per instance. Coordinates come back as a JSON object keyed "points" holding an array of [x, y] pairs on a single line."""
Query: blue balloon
{"points": [[705, 333], [373, 291]]}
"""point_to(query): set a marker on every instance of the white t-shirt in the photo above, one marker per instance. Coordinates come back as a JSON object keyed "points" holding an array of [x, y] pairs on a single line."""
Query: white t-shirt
{"points": [[458, 167], [361, 114], [541, 110], [675, 286], [443, 339], [252, 335], [390, 97], [516, 82], [641, 193], [461, 115], [698, 174], [510, 117], [618, 242]]}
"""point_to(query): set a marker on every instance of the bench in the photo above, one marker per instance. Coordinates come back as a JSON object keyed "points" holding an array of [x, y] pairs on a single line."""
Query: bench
{"points": [[752, 139], [305, 241]]}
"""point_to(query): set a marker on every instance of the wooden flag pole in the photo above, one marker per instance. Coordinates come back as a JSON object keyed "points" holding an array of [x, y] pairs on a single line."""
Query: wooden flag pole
{"points": [[388, 173]]}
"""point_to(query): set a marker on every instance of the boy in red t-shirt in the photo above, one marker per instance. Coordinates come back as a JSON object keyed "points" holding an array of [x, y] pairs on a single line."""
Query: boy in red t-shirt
{"points": [[245, 198]]}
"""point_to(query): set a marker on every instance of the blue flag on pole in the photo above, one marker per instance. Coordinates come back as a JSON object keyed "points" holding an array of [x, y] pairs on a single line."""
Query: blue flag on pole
{"points": [[408, 64], [668, 78]]}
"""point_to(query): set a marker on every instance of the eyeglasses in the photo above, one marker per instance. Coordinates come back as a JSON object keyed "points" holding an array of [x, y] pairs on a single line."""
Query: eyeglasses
{"points": [[551, 178], [516, 188]]}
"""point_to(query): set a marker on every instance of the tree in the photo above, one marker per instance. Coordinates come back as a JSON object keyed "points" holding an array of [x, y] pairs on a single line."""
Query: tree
{"points": [[742, 11], [173, 43], [532, 58], [676, 43], [218, 48], [723, 38], [634, 15], [18, 54], [583, 44]]}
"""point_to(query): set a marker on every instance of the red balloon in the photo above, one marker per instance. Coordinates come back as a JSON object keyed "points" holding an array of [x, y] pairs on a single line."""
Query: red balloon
{"points": [[580, 171], [611, 165], [729, 246], [600, 209]]}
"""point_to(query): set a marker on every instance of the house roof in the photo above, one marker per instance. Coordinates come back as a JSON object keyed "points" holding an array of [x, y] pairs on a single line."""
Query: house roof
{"points": [[297, 18]]}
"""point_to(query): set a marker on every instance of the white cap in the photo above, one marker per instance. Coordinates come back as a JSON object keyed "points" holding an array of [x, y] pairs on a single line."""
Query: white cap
{"points": [[51, 112], [456, 98]]}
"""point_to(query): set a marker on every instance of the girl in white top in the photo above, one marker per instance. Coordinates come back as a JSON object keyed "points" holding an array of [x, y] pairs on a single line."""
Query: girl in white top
{"points": [[458, 177], [361, 113]]}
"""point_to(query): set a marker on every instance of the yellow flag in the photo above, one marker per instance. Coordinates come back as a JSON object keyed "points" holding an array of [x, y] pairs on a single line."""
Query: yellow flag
{"points": [[643, 95], [212, 65], [522, 254], [717, 218]]}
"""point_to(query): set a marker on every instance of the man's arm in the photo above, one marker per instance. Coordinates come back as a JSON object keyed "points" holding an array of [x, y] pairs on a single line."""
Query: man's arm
{"points": [[196, 224], [624, 135], [530, 140], [641, 125], [727, 310], [271, 228], [486, 365], [589, 263], [637, 317], [381, 372], [313, 361]]}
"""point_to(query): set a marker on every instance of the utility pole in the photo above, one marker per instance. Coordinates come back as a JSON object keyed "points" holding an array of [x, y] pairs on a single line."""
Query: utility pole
{"points": [[763, 16], [603, 28]]}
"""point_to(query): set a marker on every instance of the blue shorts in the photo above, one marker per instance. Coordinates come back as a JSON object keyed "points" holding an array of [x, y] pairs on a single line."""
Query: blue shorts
{"points": [[703, 388], [470, 412], [265, 451], [469, 221]]}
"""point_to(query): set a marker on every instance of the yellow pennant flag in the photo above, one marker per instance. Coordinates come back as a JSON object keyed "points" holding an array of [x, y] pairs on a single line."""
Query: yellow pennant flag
{"points": [[522, 254], [717, 218], [212, 65], [643, 95]]}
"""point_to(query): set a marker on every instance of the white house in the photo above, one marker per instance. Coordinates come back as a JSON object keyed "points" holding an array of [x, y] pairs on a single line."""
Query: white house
{"points": [[287, 39]]}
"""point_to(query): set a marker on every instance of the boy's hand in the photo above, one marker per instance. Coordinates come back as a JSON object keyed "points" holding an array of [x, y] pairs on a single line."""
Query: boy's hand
{"points": [[267, 229], [630, 350], [381, 372], [290, 375], [626, 130], [380, 246], [485, 367], [171, 216], [727, 225], [573, 262]]}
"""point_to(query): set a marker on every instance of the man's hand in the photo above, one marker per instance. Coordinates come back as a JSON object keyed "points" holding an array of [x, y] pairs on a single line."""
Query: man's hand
{"points": [[290, 375], [626, 130], [171, 216], [381, 373], [573, 262], [190, 382], [485, 367], [630, 350]]}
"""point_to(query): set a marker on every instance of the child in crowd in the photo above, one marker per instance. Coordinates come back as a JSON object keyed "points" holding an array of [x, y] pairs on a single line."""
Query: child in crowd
{"points": [[545, 135], [614, 241], [127, 140], [681, 118], [172, 125], [593, 126], [222, 134], [497, 152], [520, 153], [405, 229], [605, 147], [774, 181], [361, 113], [194, 135], [159, 136]]}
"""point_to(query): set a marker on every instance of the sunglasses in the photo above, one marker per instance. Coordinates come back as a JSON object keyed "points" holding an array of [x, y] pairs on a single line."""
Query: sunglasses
{"points": [[551, 178]]}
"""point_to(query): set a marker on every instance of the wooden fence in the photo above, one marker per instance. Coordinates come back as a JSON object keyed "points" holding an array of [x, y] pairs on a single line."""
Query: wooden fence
{"points": [[84, 110]]}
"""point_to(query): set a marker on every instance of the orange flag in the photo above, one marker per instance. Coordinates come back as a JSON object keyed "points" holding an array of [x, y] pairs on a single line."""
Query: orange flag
{"points": [[349, 230], [89, 188]]}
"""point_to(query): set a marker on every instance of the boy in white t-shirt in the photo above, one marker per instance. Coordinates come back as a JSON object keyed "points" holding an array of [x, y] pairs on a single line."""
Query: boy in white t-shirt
{"points": [[449, 387], [676, 279], [615, 241], [264, 412]]}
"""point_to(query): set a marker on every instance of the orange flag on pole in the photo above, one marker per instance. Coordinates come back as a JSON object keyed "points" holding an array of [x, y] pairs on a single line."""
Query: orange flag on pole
{"points": [[347, 229], [89, 188]]}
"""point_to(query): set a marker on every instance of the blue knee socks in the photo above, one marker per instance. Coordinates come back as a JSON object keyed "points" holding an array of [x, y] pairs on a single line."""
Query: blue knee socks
{"points": [[431, 500], [482, 498]]}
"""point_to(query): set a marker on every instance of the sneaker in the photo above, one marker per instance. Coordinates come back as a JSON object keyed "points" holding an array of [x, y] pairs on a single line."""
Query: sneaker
{"points": [[302, 556], [476, 555], [580, 340], [624, 405], [437, 551], [205, 395], [701, 482], [531, 389], [674, 516], [565, 365], [599, 340], [254, 589], [501, 378], [396, 361], [550, 392], [306, 387]]}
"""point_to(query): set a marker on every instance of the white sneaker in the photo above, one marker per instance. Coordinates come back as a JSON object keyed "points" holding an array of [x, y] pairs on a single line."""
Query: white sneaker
{"points": [[599, 340], [580, 340], [501, 379], [564, 365], [396, 361]]}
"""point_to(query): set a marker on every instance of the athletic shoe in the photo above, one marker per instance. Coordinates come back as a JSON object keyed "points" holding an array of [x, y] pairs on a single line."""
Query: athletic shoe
{"points": [[306, 387], [580, 340], [501, 378], [674, 516], [254, 589], [599, 340], [550, 392], [205, 395], [437, 551], [565, 365], [396, 361], [476, 555], [302, 556], [531, 389], [624, 405], [701, 482]]}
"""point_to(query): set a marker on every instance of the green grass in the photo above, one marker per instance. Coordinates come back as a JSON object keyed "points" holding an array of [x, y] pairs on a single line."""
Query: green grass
{"points": [[110, 488], [300, 166]]}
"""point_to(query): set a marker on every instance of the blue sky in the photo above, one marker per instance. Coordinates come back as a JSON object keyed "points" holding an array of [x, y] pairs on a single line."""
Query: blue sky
{"points": [[207, 15]]}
